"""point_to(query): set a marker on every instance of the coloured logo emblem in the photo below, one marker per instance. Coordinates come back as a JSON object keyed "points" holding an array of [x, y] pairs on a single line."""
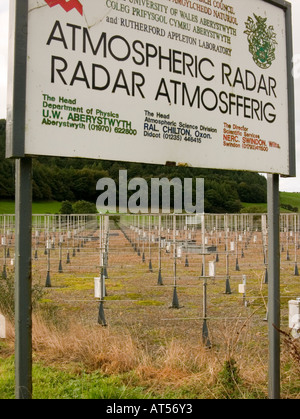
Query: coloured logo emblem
{"points": [[262, 41], [67, 5]]}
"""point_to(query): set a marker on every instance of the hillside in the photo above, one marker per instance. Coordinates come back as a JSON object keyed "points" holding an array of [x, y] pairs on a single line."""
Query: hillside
{"points": [[290, 199], [60, 179], [289, 202]]}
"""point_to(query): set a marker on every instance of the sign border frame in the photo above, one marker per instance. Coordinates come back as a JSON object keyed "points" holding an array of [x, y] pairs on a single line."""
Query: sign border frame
{"points": [[287, 7], [15, 148], [16, 95]]}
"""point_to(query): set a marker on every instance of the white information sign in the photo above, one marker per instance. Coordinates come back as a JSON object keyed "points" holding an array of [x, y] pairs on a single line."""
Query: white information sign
{"points": [[97, 287], [212, 269], [202, 83], [2, 327]]}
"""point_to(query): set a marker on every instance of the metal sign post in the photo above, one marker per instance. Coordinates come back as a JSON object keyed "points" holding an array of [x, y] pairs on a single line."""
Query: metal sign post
{"points": [[274, 287], [23, 280], [151, 83]]}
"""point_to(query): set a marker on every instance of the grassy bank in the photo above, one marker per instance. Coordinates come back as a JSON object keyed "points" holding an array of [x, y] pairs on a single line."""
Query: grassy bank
{"points": [[49, 207], [293, 199], [286, 199], [53, 383], [104, 365], [107, 366], [53, 207]]}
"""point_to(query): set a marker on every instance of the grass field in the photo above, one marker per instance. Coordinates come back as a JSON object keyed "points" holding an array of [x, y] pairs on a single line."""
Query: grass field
{"points": [[149, 350], [53, 207], [286, 198], [292, 199], [258, 208]]}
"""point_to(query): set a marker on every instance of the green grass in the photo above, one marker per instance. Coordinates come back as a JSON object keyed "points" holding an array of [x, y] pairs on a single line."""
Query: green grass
{"points": [[149, 303], [51, 384], [289, 198], [52, 207], [258, 208], [286, 198]]}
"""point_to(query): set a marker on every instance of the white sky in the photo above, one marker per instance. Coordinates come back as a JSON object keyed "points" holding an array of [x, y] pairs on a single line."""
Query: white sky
{"points": [[289, 185]]}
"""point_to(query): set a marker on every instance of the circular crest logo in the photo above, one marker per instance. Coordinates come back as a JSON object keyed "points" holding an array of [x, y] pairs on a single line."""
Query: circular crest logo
{"points": [[262, 41]]}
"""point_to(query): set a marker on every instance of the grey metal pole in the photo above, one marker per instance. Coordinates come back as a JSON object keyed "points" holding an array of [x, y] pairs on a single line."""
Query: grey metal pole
{"points": [[228, 289], [23, 280], [175, 302], [296, 271], [159, 281], [274, 286], [205, 336]]}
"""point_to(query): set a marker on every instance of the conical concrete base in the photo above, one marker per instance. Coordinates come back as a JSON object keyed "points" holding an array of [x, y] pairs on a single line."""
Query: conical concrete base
{"points": [[48, 281], [60, 269], [266, 280], [205, 337], [101, 315], [175, 302], [186, 262], [159, 280], [228, 289]]}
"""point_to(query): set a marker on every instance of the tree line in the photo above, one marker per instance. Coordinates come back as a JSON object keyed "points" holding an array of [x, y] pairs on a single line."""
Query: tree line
{"points": [[66, 179]]}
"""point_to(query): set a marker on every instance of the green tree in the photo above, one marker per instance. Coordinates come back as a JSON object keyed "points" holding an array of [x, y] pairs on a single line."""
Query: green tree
{"points": [[84, 207], [66, 208], [71, 179]]}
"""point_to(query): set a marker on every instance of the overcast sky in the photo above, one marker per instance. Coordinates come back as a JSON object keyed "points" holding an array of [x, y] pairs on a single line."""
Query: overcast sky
{"points": [[289, 185]]}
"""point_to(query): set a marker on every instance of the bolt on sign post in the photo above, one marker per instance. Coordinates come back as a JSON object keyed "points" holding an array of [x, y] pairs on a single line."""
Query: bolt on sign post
{"points": [[203, 84]]}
